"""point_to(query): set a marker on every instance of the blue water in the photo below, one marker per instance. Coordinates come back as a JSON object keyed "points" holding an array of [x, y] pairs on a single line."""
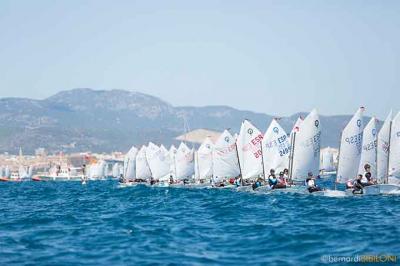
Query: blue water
{"points": [[66, 223]]}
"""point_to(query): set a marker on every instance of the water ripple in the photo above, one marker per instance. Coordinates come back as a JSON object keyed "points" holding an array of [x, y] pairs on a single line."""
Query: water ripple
{"points": [[67, 223]]}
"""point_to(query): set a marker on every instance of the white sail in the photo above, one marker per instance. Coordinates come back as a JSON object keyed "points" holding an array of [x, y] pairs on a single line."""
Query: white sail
{"points": [[249, 150], [2, 171], [394, 156], [7, 172], [295, 128], [369, 145], [184, 160], [350, 148], [275, 148], [225, 160], [163, 149], [101, 169], [22, 172], [383, 149], [168, 161], [142, 167], [306, 147], [203, 160], [130, 164], [158, 162], [93, 171], [115, 170], [327, 161], [172, 157]]}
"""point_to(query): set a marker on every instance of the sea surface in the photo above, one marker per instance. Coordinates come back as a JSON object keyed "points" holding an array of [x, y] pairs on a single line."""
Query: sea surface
{"points": [[66, 223]]}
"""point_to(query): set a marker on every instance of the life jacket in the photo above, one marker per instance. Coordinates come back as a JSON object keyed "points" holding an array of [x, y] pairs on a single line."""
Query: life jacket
{"points": [[364, 179], [272, 181]]}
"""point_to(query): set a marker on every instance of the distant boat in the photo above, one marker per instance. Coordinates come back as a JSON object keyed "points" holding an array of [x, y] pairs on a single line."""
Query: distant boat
{"points": [[61, 174], [327, 163]]}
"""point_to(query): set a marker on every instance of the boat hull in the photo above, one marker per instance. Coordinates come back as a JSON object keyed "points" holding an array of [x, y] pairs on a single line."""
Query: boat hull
{"points": [[385, 189], [244, 188]]}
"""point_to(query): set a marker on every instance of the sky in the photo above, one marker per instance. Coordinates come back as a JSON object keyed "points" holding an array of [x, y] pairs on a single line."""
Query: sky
{"points": [[274, 57]]}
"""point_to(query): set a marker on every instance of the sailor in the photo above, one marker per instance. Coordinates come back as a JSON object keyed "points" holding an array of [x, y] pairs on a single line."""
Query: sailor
{"points": [[83, 169], [286, 176], [349, 184], [358, 185], [237, 181], [121, 179], [282, 179], [365, 180], [272, 181], [218, 182], [310, 182], [258, 183]]}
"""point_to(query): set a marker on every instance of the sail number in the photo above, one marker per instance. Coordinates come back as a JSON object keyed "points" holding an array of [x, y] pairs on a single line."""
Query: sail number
{"points": [[370, 146]]}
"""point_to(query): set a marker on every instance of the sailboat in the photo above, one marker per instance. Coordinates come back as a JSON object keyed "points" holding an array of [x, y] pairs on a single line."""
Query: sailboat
{"points": [[327, 162], [275, 148], [350, 147], [130, 165], [184, 160], [295, 129], [394, 158], [275, 151], [116, 170], [143, 171], [6, 174], [225, 160], [305, 148], [249, 152], [204, 163], [387, 158], [383, 149], [159, 163], [172, 157], [369, 148]]}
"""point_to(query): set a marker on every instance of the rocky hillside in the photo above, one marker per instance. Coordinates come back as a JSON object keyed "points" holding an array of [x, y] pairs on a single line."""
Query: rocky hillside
{"points": [[86, 119]]}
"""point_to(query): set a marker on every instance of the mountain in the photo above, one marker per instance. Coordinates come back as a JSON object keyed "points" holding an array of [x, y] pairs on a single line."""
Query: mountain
{"points": [[104, 121]]}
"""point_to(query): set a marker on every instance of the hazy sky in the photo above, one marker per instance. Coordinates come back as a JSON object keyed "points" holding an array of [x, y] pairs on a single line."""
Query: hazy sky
{"points": [[276, 57]]}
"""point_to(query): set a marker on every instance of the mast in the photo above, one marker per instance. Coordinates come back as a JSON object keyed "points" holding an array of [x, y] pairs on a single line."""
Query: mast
{"points": [[240, 168], [376, 153], [337, 169], [175, 166], [148, 166], [262, 160], [386, 180], [198, 167], [293, 141], [212, 162]]}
